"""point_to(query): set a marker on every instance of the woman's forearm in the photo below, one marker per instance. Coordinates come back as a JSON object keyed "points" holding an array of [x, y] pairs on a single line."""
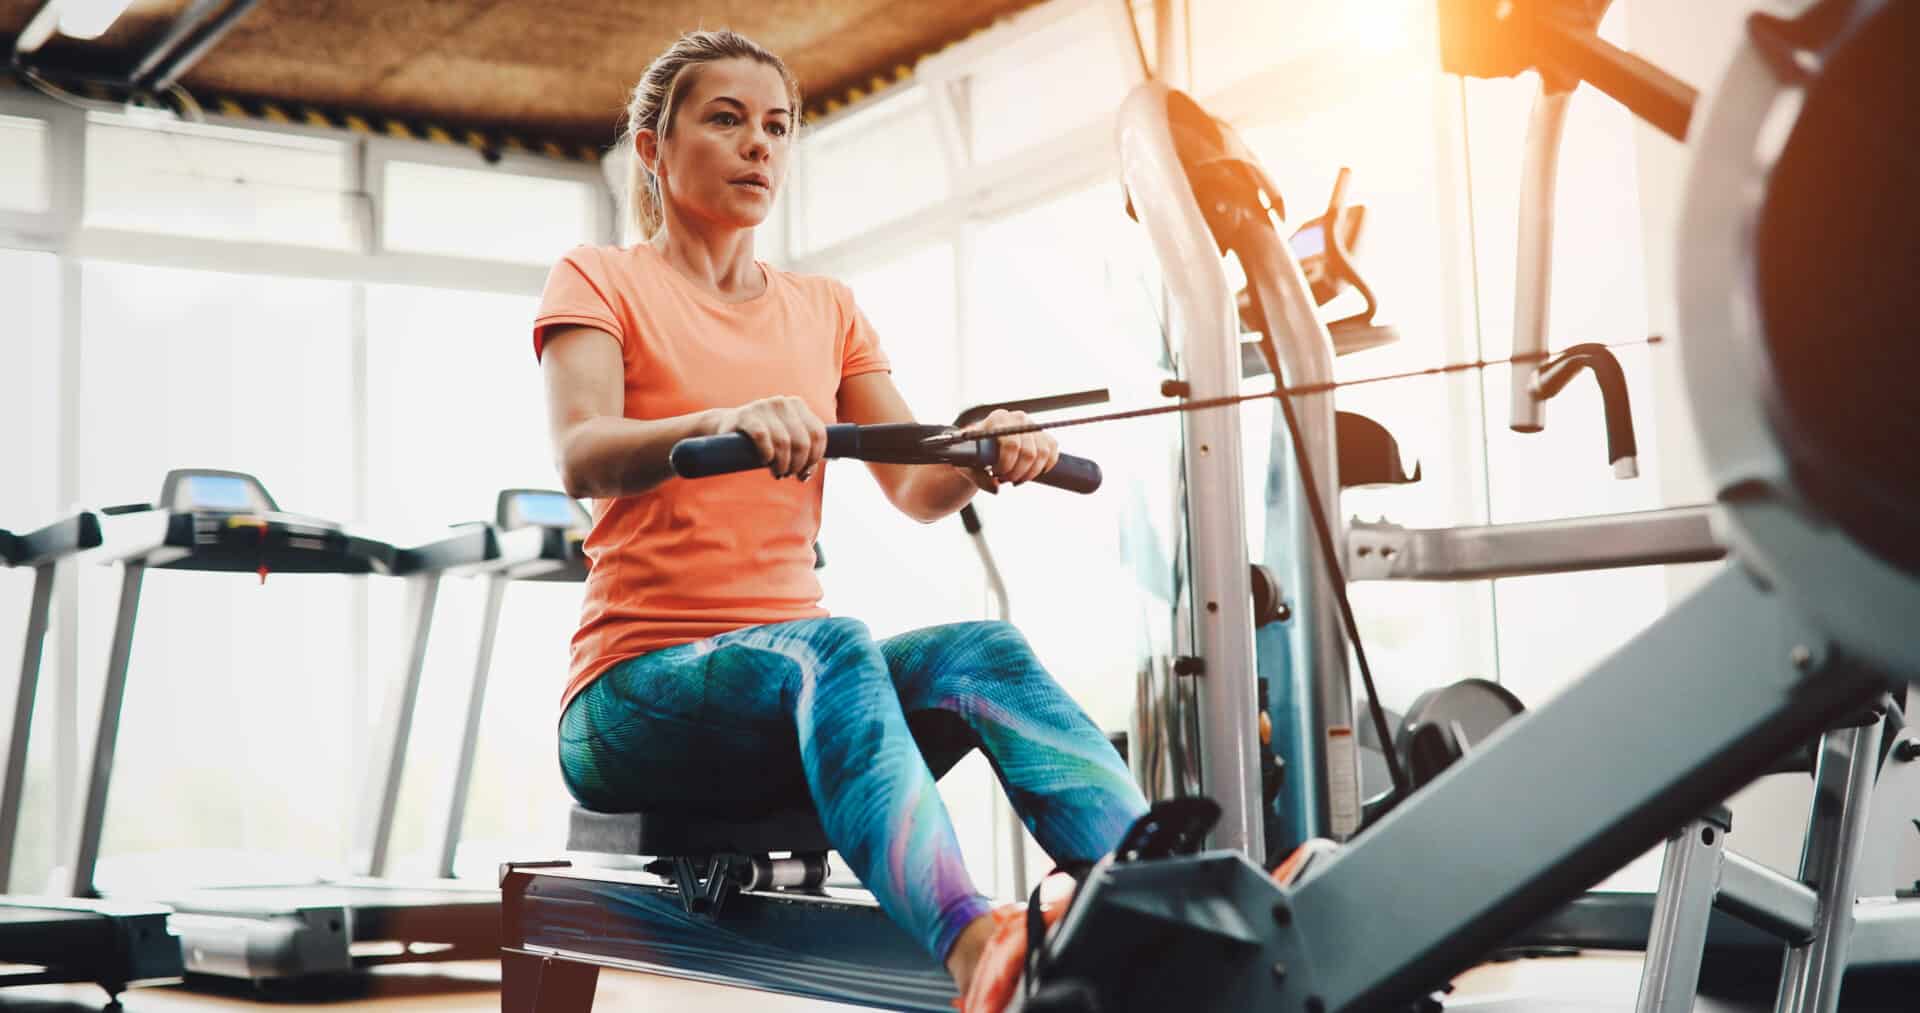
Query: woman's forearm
{"points": [[604, 457], [929, 494]]}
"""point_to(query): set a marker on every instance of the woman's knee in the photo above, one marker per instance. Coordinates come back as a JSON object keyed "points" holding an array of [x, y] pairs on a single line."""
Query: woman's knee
{"points": [[998, 635], [981, 659], [998, 650], [842, 643], [836, 633]]}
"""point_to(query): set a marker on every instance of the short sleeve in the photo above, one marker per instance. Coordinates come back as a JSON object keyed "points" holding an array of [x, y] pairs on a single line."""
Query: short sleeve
{"points": [[576, 293], [860, 344]]}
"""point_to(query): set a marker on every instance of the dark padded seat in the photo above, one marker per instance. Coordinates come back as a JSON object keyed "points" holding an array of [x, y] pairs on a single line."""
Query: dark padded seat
{"points": [[673, 834], [943, 739]]}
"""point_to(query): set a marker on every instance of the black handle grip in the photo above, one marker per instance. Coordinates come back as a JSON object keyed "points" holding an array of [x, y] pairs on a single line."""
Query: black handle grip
{"points": [[704, 456], [1074, 474], [1556, 373], [63, 538]]}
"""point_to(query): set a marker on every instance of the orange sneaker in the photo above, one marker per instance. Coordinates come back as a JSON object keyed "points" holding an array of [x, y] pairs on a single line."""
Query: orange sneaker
{"points": [[1304, 858], [1004, 959]]}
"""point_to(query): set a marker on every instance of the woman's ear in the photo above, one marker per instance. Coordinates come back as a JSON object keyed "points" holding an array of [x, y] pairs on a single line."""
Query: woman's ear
{"points": [[646, 146]]}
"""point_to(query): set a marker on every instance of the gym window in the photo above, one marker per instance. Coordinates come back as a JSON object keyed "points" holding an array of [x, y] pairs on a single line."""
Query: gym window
{"points": [[220, 183], [23, 165], [526, 219], [875, 166]]}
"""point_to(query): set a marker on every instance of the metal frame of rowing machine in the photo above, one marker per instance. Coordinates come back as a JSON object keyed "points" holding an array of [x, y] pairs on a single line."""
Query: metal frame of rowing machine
{"points": [[1804, 627]]}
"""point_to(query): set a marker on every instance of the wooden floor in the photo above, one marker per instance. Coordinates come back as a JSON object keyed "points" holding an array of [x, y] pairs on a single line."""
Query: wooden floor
{"points": [[471, 987], [1592, 983]]}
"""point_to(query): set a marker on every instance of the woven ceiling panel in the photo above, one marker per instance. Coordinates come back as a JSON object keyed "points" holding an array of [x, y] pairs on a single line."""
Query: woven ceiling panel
{"points": [[557, 68]]}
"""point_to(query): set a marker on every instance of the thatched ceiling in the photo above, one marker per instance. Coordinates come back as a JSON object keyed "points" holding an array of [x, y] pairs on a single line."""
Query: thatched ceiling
{"points": [[558, 68]]}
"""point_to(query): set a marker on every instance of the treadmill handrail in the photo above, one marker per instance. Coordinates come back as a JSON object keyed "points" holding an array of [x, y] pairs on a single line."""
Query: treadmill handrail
{"points": [[468, 546], [63, 537], [538, 552]]}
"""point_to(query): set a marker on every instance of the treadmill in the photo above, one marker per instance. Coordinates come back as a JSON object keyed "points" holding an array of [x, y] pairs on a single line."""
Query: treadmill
{"points": [[224, 521], [541, 533], [115, 945]]}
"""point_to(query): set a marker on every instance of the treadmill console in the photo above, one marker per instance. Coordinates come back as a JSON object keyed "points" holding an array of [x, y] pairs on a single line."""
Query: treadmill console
{"points": [[200, 490], [1309, 243], [522, 508]]}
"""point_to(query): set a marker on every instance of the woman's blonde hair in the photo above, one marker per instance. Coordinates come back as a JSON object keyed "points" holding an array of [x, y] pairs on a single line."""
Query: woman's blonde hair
{"points": [[659, 92]]}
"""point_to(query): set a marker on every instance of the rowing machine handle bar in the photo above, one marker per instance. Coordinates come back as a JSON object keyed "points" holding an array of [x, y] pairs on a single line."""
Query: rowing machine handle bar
{"points": [[702, 456]]}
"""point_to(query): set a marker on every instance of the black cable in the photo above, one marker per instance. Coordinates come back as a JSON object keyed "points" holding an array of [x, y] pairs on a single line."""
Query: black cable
{"points": [[1323, 534], [1279, 392]]}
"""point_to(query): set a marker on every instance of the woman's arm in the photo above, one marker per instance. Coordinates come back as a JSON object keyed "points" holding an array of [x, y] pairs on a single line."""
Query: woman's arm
{"points": [[601, 453], [925, 493]]}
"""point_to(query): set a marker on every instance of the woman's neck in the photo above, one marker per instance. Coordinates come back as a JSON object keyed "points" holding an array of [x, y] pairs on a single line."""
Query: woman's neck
{"points": [[721, 262]]}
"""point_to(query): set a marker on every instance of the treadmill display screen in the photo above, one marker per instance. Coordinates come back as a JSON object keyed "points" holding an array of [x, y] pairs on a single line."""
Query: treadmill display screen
{"points": [[216, 492], [1310, 241], [548, 509]]}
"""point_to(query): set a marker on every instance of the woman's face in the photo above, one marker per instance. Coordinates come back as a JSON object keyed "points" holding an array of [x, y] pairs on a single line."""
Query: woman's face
{"points": [[726, 156]]}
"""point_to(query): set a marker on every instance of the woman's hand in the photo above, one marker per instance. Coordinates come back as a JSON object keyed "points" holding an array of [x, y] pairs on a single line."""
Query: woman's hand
{"points": [[790, 438], [1022, 458]]}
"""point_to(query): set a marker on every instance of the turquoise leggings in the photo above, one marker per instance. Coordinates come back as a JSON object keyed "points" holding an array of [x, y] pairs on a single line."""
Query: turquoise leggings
{"points": [[818, 709]]}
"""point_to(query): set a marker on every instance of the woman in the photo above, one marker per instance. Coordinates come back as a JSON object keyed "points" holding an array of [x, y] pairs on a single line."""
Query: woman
{"points": [[704, 672]]}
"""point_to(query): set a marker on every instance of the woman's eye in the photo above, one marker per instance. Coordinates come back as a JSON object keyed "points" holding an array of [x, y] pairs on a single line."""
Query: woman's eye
{"points": [[777, 129], [724, 119]]}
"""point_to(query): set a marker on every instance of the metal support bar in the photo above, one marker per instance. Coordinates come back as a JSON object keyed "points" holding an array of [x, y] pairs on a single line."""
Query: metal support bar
{"points": [[1885, 934], [1323, 690], [1843, 785], [13, 788], [1893, 848], [1767, 900], [1002, 806], [1677, 941], [1533, 268], [183, 57], [996, 585], [1173, 48], [1488, 552], [470, 734], [93, 813], [1208, 328], [184, 24], [67, 158], [38, 29], [1741, 678], [381, 799]]}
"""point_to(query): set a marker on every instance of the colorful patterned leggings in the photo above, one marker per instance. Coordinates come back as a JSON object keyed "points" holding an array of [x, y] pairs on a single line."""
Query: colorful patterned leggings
{"points": [[818, 709]]}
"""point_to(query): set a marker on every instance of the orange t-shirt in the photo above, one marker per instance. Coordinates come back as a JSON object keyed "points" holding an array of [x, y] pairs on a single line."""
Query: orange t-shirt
{"points": [[691, 559]]}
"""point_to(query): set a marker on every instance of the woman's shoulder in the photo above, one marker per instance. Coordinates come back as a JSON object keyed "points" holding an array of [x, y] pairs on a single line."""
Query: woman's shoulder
{"points": [[620, 267], [601, 256], [813, 287]]}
